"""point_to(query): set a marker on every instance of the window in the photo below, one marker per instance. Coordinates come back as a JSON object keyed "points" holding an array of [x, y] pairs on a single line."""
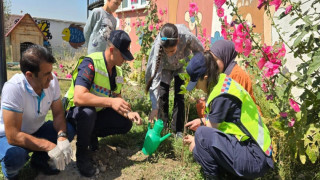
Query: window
{"points": [[126, 5]]}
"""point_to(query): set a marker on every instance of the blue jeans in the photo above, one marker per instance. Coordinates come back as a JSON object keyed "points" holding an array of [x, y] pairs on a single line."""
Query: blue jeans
{"points": [[13, 158]]}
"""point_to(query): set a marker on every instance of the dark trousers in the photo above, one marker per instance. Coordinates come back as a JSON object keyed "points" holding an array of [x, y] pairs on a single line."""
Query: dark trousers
{"points": [[13, 158], [219, 153], [89, 123], [178, 109]]}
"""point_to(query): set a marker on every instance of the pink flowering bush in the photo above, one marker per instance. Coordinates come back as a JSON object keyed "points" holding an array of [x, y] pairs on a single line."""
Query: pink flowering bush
{"points": [[295, 117]]}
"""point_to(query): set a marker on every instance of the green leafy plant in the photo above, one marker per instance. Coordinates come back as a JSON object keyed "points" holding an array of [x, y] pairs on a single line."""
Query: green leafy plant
{"points": [[295, 116]]}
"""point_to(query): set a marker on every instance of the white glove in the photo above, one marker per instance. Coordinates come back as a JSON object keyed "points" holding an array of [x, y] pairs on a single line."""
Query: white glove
{"points": [[57, 156], [65, 147]]}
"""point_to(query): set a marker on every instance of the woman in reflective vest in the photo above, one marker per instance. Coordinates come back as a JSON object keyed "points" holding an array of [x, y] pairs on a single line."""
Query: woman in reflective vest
{"points": [[233, 138]]}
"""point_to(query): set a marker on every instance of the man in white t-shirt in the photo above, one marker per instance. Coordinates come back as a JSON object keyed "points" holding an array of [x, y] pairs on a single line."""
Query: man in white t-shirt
{"points": [[25, 101]]}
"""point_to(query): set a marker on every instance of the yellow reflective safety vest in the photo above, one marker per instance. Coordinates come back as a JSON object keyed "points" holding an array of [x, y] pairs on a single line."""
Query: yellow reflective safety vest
{"points": [[101, 83], [250, 120]]}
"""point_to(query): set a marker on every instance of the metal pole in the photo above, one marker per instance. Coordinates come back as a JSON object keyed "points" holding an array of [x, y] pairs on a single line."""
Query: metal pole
{"points": [[3, 64], [87, 9]]}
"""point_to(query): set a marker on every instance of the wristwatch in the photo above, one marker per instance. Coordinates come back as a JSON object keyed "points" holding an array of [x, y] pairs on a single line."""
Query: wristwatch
{"points": [[62, 134]]}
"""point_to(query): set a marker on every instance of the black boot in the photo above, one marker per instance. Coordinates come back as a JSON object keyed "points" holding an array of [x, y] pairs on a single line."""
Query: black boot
{"points": [[84, 162], [39, 161]]}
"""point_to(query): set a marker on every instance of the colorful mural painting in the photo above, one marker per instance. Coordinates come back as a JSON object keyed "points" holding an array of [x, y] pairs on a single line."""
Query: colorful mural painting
{"points": [[74, 35], [44, 26]]}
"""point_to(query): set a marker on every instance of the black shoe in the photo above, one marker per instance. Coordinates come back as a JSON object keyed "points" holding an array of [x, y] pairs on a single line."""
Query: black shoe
{"points": [[94, 143], [44, 167], [84, 163]]}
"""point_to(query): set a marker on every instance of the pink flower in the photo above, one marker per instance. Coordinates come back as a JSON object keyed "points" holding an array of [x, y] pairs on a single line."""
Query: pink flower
{"points": [[283, 114], [138, 23], [220, 12], [133, 24], [261, 63], [248, 47], [193, 9], [204, 32], [267, 49], [260, 4], [224, 33], [142, 23], [219, 3], [276, 3], [68, 76], [157, 26], [264, 87], [271, 69], [282, 51], [55, 73], [161, 12], [294, 105], [61, 66], [150, 27], [165, 11], [132, 7], [288, 9], [238, 45], [291, 122]]}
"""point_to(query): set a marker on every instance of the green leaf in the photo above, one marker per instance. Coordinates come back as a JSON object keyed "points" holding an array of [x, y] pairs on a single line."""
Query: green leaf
{"points": [[299, 38], [274, 108], [294, 20], [303, 158], [313, 153], [314, 65]]}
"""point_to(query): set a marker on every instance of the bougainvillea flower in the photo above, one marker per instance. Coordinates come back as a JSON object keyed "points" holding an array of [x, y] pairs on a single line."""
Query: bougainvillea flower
{"points": [[219, 3], [294, 105], [291, 122], [283, 114], [276, 3], [220, 12], [261, 63]]}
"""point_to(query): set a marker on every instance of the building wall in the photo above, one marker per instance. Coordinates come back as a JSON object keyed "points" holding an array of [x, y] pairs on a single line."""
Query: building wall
{"points": [[63, 36]]}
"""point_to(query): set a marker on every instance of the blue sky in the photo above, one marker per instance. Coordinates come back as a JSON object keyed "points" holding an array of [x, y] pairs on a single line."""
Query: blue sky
{"points": [[71, 10]]}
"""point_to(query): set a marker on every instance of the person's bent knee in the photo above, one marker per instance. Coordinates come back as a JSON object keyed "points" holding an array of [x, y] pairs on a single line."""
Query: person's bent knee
{"points": [[127, 126], [15, 159]]}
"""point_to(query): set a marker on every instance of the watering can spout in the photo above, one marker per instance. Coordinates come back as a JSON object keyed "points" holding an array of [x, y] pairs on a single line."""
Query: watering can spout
{"points": [[165, 137]]}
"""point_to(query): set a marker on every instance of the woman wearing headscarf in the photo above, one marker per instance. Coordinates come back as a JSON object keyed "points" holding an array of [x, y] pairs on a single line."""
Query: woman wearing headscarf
{"points": [[226, 54]]}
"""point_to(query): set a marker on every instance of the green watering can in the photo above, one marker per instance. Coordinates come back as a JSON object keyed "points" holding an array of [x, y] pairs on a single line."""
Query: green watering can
{"points": [[153, 138]]}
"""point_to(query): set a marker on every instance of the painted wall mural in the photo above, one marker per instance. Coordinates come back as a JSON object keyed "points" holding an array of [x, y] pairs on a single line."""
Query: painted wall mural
{"points": [[74, 35], [44, 26], [192, 20]]}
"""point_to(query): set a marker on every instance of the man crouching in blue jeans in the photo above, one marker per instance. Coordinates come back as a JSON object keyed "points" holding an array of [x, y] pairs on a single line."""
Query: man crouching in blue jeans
{"points": [[25, 101]]}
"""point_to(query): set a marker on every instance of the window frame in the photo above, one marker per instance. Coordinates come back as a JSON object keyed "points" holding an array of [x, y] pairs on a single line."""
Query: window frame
{"points": [[137, 6]]}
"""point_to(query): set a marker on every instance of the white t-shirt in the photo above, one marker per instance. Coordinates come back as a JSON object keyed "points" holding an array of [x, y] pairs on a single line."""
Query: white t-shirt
{"points": [[18, 96]]}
